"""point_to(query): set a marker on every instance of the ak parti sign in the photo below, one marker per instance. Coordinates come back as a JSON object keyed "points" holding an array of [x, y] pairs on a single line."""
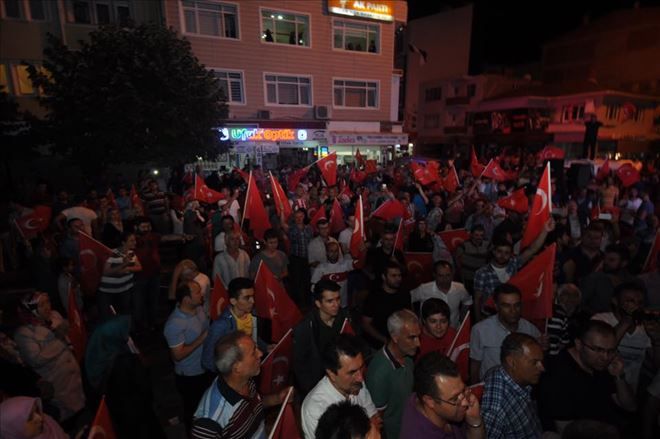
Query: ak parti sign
{"points": [[375, 10]]}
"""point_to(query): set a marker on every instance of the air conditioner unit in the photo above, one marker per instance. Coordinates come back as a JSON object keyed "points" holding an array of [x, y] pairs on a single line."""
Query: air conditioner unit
{"points": [[322, 112], [263, 114]]}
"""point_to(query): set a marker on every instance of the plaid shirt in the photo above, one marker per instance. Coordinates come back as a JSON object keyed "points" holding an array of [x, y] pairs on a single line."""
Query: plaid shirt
{"points": [[486, 280], [507, 409], [299, 240]]}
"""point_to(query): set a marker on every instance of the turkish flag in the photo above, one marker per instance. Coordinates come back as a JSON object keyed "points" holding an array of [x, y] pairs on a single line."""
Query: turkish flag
{"points": [[603, 171], [337, 223], [398, 239], [219, 298], [419, 268], [450, 182], [459, 350], [347, 328], [477, 390], [136, 201], [627, 174], [391, 209], [476, 167], [35, 222], [328, 167], [102, 426], [244, 175], [345, 189], [517, 201], [454, 238], [255, 210], [205, 194], [276, 366], [541, 210], [494, 171], [551, 152], [359, 158], [424, 174], [111, 199], [272, 302], [358, 236], [651, 263], [93, 255], [282, 205], [318, 215], [358, 176], [285, 426], [77, 332], [370, 167], [536, 283], [294, 178]]}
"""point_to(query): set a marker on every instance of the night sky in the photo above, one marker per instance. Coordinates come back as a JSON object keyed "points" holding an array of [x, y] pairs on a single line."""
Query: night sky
{"points": [[510, 33]]}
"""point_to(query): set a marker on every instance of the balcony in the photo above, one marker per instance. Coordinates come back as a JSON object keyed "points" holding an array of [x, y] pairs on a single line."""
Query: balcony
{"points": [[455, 130], [458, 100]]}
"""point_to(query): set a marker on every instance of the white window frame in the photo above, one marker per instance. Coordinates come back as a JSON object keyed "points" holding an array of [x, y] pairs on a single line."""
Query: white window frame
{"points": [[568, 118], [242, 73], [182, 21], [362, 23], [366, 81], [613, 111], [311, 90], [26, 11], [94, 20], [290, 12]]}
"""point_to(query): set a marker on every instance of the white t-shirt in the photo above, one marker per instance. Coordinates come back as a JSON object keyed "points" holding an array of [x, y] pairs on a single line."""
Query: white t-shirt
{"points": [[234, 207], [632, 348], [455, 297], [322, 396], [501, 273], [87, 216], [345, 239], [337, 272]]}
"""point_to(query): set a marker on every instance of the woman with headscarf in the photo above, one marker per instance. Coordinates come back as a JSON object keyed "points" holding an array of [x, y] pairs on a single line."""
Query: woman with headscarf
{"points": [[106, 342], [42, 342], [22, 417]]}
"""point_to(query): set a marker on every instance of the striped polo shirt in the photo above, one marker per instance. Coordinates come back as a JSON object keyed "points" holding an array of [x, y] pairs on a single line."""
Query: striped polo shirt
{"points": [[116, 284]]}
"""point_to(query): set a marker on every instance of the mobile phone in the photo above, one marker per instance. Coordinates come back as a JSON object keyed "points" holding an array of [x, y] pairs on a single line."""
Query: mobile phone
{"points": [[605, 216]]}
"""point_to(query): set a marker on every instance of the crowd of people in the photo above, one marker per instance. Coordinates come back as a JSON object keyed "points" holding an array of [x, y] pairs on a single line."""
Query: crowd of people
{"points": [[591, 370]]}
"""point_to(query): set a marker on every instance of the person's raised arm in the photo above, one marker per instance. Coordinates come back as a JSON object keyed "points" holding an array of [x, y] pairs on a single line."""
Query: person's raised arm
{"points": [[536, 245]]}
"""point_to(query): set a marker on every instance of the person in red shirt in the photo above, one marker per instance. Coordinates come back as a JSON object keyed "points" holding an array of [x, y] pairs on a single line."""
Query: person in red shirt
{"points": [[436, 335]]}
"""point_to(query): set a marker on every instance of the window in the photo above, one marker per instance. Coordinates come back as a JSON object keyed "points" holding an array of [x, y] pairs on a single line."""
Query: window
{"points": [[4, 79], [101, 12], [13, 8], [284, 28], [432, 121], [288, 90], [37, 9], [231, 84], [355, 94], [210, 18], [471, 90], [433, 94], [613, 111], [23, 82], [356, 36], [572, 113]]}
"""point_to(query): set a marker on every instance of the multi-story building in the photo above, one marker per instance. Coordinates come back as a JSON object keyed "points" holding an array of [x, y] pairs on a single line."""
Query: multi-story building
{"points": [[301, 76], [24, 25]]}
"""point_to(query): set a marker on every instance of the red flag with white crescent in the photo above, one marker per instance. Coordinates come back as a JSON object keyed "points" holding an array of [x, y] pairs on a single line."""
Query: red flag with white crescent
{"points": [[77, 332], [541, 210], [517, 201], [275, 367], [219, 298], [536, 283], [459, 350], [282, 205], [604, 170], [475, 167], [285, 426], [328, 167], [454, 238], [255, 211], [35, 222], [419, 268], [204, 193], [370, 167], [552, 152], [358, 236], [391, 209], [272, 302], [494, 171], [628, 175], [451, 182], [337, 223]]}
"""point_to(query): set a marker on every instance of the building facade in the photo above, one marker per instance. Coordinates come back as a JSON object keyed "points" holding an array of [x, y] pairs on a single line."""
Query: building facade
{"points": [[301, 77]]}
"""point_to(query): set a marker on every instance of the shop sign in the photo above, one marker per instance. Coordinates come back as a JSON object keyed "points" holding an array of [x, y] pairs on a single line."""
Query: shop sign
{"points": [[376, 10], [368, 139], [251, 134]]}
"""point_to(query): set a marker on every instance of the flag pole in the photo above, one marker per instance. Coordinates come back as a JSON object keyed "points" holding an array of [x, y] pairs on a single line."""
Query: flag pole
{"points": [[286, 334], [460, 328], [279, 415], [247, 199]]}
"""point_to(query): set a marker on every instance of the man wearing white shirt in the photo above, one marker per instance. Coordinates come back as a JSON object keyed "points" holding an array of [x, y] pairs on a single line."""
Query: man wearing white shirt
{"points": [[346, 235], [233, 262], [316, 248], [343, 381], [454, 293], [335, 269]]}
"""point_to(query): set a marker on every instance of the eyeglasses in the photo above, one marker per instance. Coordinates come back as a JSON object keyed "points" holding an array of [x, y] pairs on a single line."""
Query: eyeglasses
{"points": [[456, 400], [599, 350]]}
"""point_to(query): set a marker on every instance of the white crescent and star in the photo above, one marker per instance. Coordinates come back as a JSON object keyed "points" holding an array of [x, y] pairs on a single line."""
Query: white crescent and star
{"points": [[544, 200], [539, 288], [29, 223]]}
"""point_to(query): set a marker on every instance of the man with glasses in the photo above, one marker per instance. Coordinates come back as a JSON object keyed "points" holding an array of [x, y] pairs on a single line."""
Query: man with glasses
{"points": [[586, 381], [441, 406], [507, 407]]}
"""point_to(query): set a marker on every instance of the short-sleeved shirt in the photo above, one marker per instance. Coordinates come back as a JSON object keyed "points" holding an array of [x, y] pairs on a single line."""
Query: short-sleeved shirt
{"points": [[486, 340], [455, 297], [87, 216], [379, 305], [277, 264], [322, 396], [182, 328], [390, 383], [414, 425], [428, 343], [316, 251], [486, 279]]}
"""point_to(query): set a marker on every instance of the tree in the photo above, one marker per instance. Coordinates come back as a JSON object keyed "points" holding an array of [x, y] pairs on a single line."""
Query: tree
{"points": [[130, 95]]}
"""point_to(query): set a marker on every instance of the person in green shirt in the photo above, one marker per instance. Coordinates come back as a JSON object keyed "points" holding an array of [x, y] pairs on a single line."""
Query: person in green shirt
{"points": [[390, 374]]}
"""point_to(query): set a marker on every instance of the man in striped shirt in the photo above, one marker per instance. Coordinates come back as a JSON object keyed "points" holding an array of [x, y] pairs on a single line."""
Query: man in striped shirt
{"points": [[231, 408]]}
